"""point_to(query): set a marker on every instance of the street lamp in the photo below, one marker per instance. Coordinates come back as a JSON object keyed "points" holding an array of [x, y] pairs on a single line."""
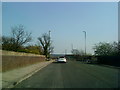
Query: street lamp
{"points": [[65, 51], [85, 41], [49, 41]]}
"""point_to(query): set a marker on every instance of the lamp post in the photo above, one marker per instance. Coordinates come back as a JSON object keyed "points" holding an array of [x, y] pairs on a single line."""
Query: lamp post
{"points": [[65, 51], [49, 41], [85, 41]]}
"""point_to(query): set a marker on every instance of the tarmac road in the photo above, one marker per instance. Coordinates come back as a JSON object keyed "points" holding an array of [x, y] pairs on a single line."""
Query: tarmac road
{"points": [[73, 74]]}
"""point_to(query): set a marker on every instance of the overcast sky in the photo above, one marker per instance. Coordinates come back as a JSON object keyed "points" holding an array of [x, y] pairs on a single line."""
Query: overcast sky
{"points": [[66, 20]]}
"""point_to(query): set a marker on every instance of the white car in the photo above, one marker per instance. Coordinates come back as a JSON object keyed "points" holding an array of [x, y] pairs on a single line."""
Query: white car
{"points": [[61, 59]]}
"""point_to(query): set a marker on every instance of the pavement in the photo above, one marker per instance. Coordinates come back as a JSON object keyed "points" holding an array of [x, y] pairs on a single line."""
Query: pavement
{"points": [[14, 77]]}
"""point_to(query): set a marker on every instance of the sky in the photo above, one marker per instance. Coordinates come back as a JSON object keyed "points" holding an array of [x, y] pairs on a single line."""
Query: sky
{"points": [[66, 21]]}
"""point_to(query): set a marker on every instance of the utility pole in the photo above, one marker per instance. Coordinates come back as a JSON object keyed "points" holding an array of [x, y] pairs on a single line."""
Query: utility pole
{"points": [[85, 41]]}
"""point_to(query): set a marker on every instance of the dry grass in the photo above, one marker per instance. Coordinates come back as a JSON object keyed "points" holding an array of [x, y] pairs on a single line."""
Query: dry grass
{"points": [[11, 53]]}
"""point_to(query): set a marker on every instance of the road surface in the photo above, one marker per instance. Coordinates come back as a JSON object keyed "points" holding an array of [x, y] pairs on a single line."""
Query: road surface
{"points": [[73, 74]]}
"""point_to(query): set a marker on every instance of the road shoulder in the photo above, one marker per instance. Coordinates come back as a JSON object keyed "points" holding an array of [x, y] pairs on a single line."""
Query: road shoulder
{"points": [[13, 77]]}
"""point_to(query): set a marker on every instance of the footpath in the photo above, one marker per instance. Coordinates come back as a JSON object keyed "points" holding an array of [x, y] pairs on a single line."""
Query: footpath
{"points": [[13, 77]]}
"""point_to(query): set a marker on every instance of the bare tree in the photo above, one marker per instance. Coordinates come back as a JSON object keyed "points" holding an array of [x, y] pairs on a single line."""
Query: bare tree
{"points": [[77, 52], [6, 43], [46, 44], [18, 38]]}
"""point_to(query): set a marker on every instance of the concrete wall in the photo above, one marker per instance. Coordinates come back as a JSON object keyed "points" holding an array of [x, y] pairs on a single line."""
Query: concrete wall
{"points": [[13, 60]]}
